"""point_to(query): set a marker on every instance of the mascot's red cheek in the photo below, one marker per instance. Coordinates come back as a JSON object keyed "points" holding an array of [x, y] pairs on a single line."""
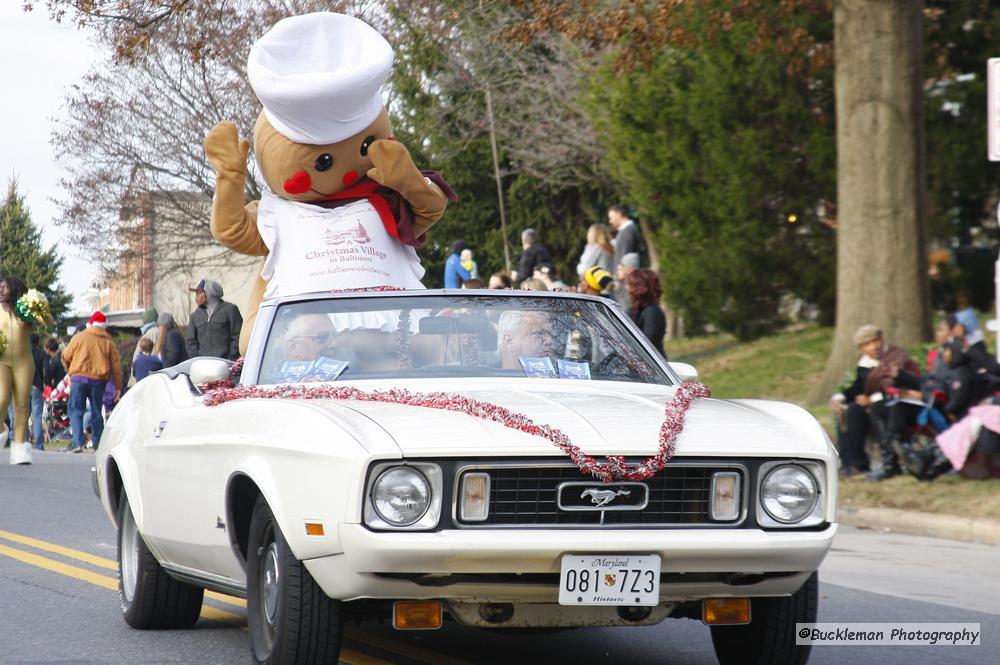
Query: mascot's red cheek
{"points": [[350, 177], [299, 183]]}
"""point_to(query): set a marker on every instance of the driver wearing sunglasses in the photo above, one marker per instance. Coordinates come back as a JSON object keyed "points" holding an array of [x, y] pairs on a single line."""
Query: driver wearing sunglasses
{"points": [[308, 337]]}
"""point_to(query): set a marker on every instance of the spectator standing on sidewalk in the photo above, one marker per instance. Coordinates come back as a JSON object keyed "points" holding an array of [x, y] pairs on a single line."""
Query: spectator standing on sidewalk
{"points": [[171, 347], [644, 293], [628, 263], [595, 282], [599, 252], [214, 327], [533, 255], [627, 240], [454, 272], [54, 370], [145, 362], [501, 280], [149, 330], [92, 360], [37, 388], [469, 263]]}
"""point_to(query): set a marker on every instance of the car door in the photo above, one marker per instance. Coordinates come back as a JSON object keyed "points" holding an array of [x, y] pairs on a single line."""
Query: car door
{"points": [[179, 523]]}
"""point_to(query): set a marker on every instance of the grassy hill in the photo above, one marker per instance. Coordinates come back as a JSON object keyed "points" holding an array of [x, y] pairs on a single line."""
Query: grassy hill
{"points": [[785, 367]]}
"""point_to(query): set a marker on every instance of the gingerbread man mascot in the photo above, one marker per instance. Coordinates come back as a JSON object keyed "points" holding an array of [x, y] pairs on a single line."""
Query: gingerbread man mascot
{"points": [[345, 206]]}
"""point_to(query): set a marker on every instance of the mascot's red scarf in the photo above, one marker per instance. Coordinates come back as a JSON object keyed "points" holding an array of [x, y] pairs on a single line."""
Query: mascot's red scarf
{"points": [[395, 213]]}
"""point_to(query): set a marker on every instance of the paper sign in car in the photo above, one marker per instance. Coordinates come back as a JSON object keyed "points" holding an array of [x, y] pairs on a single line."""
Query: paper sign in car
{"points": [[325, 369], [569, 369], [538, 367], [293, 370]]}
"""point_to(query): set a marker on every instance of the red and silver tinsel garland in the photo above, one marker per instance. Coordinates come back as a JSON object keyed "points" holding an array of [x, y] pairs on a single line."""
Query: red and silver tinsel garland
{"points": [[615, 469]]}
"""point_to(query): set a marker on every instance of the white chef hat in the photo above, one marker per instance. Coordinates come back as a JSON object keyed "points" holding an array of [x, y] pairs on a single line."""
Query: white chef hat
{"points": [[319, 76]]}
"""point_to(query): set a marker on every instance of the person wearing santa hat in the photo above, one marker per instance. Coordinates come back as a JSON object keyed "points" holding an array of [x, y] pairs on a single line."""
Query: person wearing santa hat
{"points": [[91, 359]]}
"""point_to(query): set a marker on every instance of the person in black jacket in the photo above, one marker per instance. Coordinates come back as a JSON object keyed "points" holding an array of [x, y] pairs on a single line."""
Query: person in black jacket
{"points": [[534, 255], [214, 327], [628, 239], [644, 293], [170, 345], [851, 405], [53, 370], [37, 388]]}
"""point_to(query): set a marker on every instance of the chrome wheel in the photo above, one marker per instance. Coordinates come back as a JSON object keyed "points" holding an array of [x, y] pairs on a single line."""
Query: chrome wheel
{"points": [[129, 555], [270, 584], [290, 619]]}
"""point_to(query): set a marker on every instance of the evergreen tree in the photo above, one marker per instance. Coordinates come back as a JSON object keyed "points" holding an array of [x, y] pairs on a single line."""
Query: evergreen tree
{"points": [[731, 156], [21, 253]]}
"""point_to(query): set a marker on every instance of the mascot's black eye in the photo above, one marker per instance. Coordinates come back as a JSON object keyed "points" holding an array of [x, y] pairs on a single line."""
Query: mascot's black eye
{"points": [[324, 161], [364, 145]]}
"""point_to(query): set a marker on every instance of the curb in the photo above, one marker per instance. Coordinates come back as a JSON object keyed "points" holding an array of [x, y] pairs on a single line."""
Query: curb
{"points": [[935, 525]]}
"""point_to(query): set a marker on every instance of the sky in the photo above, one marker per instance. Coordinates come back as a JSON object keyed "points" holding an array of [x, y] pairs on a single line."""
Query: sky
{"points": [[38, 61]]}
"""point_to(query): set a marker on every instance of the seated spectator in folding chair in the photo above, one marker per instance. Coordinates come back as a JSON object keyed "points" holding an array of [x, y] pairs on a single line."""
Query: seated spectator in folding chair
{"points": [[863, 407]]}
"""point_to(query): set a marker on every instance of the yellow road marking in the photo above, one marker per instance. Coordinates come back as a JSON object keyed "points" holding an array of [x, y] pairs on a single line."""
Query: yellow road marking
{"points": [[350, 656], [380, 642], [227, 599], [86, 557], [100, 580], [61, 568]]}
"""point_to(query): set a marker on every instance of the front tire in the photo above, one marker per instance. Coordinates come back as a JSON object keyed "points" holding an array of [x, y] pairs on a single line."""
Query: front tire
{"points": [[149, 598], [769, 638], [291, 620]]}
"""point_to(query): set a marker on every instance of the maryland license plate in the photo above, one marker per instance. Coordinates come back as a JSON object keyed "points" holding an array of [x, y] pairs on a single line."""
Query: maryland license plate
{"points": [[610, 579]]}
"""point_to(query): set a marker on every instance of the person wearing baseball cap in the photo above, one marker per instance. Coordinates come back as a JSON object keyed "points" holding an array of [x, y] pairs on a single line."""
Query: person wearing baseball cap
{"points": [[221, 339], [91, 359]]}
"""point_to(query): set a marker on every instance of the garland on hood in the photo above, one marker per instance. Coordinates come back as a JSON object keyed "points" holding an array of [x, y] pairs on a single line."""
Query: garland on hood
{"points": [[615, 469]]}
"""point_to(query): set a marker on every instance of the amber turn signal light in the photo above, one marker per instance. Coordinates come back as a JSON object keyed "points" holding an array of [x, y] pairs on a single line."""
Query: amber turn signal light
{"points": [[314, 529], [725, 611], [416, 615]]}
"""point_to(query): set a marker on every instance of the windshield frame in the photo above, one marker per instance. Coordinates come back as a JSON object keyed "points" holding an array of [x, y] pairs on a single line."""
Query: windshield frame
{"points": [[269, 308]]}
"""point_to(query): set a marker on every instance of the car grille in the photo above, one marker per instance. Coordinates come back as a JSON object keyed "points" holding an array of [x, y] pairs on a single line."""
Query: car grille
{"points": [[678, 495]]}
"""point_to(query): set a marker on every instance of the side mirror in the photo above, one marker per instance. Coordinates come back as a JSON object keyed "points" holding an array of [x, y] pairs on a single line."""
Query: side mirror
{"points": [[207, 370], [686, 372]]}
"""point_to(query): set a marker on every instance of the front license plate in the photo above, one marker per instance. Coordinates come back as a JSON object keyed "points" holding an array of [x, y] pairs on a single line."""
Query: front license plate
{"points": [[610, 579]]}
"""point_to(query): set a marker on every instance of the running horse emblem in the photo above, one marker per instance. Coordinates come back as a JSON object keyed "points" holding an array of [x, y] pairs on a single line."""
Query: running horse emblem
{"points": [[602, 498]]}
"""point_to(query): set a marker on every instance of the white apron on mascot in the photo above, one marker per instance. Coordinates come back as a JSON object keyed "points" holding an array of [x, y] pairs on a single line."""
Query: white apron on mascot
{"points": [[347, 246]]}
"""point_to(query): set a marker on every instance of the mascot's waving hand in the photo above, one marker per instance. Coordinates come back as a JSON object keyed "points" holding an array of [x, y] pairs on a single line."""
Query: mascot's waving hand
{"points": [[346, 206]]}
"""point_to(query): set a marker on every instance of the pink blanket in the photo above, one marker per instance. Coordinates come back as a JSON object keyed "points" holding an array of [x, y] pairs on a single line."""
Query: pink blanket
{"points": [[957, 440]]}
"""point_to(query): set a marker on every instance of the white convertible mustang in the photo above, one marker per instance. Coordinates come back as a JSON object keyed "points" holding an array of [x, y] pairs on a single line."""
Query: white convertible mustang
{"points": [[320, 491]]}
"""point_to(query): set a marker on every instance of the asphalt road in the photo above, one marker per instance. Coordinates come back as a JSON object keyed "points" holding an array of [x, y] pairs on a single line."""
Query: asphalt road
{"points": [[58, 603]]}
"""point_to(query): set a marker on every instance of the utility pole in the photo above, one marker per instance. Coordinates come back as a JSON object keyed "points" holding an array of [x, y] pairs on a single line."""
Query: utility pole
{"points": [[496, 174]]}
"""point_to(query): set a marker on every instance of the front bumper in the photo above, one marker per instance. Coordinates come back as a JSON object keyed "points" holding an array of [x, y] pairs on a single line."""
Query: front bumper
{"points": [[483, 565]]}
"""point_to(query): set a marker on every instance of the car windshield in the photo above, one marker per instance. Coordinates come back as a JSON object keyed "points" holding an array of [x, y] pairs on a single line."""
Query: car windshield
{"points": [[343, 339]]}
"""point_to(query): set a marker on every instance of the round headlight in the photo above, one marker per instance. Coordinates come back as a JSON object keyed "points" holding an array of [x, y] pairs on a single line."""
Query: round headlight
{"points": [[789, 493], [401, 495]]}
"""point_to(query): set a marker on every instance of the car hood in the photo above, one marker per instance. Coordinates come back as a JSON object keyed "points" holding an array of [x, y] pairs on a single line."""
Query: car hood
{"points": [[600, 417]]}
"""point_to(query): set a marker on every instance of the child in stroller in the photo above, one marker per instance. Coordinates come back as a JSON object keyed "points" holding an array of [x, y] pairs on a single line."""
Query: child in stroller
{"points": [[55, 412]]}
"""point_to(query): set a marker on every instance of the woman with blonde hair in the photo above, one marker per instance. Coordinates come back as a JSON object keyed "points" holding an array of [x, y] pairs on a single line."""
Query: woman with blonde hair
{"points": [[599, 251], [533, 284]]}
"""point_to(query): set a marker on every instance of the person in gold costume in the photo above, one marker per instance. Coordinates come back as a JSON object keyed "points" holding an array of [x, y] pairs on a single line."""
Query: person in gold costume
{"points": [[17, 367]]}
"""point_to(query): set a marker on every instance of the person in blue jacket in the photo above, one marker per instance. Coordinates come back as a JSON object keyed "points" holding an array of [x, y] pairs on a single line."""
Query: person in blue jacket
{"points": [[454, 272]]}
